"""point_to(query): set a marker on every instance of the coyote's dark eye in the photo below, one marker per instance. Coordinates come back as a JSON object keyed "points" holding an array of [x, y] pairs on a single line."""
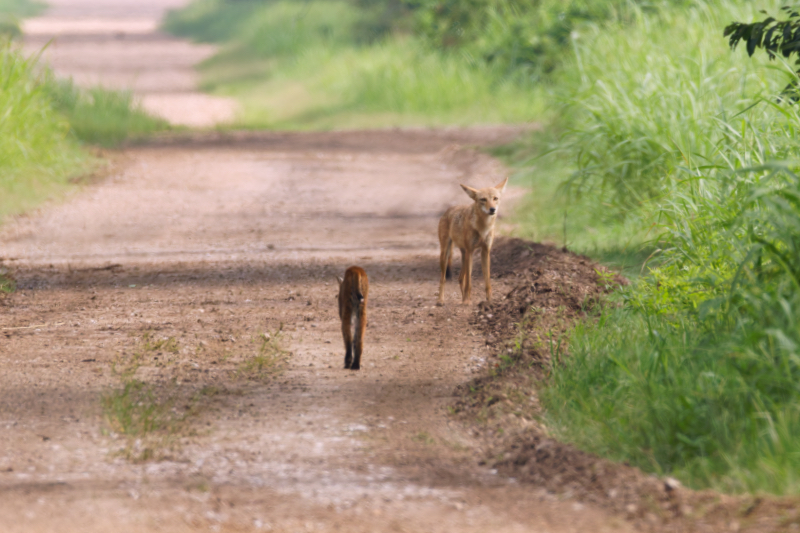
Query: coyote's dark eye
{"points": [[483, 200], [495, 198]]}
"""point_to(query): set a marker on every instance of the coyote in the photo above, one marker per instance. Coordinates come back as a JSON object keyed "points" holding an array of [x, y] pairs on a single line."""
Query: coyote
{"points": [[353, 291], [468, 227]]}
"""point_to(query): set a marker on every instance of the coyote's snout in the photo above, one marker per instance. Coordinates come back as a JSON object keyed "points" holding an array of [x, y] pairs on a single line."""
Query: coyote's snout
{"points": [[469, 227]]}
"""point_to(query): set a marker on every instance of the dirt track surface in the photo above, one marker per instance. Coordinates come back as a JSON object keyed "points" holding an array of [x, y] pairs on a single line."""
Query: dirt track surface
{"points": [[213, 243], [116, 44]]}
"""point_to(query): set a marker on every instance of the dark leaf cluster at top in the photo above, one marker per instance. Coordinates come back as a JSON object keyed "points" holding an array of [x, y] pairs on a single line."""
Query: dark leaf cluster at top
{"points": [[774, 36]]}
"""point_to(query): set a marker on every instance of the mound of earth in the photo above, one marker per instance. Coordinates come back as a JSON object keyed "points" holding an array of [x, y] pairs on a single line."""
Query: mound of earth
{"points": [[551, 288]]}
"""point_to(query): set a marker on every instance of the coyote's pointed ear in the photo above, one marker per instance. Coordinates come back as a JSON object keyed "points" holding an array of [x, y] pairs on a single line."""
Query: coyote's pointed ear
{"points": [[473, 193], [502, 185], [340, 280]]}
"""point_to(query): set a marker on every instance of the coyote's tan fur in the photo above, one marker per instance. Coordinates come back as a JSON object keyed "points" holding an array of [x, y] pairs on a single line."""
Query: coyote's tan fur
{"points": [[469, 227], [353, 290]]}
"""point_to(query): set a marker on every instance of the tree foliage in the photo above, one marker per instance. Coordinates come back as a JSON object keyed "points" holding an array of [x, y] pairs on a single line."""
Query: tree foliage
{"points": [[774, 37]]}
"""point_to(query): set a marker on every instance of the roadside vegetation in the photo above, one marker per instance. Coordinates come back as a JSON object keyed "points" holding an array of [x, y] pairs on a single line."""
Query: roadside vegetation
{"points": [[676, 149], [342, 63], [10, 13], [47, 123]]}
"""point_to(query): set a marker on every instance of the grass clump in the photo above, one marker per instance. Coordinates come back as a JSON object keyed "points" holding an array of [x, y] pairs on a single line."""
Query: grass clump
{"points": [[150, 416], [269, 360], [100, 116], [7, 282]]}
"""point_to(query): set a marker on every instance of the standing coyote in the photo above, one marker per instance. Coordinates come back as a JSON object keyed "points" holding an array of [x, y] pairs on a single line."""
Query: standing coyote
{"points": [[468, 227], [353, 290]]}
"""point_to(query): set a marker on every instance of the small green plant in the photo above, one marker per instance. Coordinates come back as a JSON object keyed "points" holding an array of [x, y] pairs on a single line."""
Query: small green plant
{"points": [[151, 344], [149, 415], [605, 278], [7, 282], [268, 361]]}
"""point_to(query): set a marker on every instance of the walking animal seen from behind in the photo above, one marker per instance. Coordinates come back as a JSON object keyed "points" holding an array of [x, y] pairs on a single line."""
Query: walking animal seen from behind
{"points": [[469, 227], [353, 290]]}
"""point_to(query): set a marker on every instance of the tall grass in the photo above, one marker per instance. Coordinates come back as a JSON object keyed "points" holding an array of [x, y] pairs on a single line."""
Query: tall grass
{"points": [[37, 156], [45, 121], [101, 116], [696, 373]]}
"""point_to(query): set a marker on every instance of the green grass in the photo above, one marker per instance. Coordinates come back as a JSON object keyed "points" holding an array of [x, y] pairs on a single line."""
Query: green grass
{"points": [[305, 65], [395, 83], [21, 8], [37, 154], [269, 360], [46, 122], [10, 13], [7, 282], [694, 373], [100, 116]]}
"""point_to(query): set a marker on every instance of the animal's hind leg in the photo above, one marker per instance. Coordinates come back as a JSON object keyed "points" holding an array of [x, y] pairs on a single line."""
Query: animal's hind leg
{"points": [[358, 342], [348, 337], [445, 259]]}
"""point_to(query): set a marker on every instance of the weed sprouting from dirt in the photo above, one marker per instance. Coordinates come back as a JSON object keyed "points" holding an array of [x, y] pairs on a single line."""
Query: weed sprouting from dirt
{"points": [[269, 360], [423, 437], [151, 344], [7, 282], [150, 415]]}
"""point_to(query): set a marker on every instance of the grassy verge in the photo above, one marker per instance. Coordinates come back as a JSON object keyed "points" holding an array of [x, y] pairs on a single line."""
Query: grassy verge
{"points": [[304, 65], [37, 154], [46, 122], [693, 374], [101, 117]]}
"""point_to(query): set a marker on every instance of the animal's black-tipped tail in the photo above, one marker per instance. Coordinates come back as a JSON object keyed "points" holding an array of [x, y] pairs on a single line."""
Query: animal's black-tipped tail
{"points": [[448, 273]]}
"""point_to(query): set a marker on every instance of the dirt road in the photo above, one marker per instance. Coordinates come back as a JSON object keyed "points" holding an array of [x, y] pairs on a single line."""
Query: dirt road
{"points": [[116, 44], [176, 264], [213, 243]]}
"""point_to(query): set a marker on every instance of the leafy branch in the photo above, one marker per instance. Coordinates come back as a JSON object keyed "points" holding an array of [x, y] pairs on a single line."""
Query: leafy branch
{"points": [[773, 36]]}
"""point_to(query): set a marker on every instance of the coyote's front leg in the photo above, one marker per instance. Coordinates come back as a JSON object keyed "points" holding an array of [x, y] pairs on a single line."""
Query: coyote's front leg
{"points": [[486, 260]]}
